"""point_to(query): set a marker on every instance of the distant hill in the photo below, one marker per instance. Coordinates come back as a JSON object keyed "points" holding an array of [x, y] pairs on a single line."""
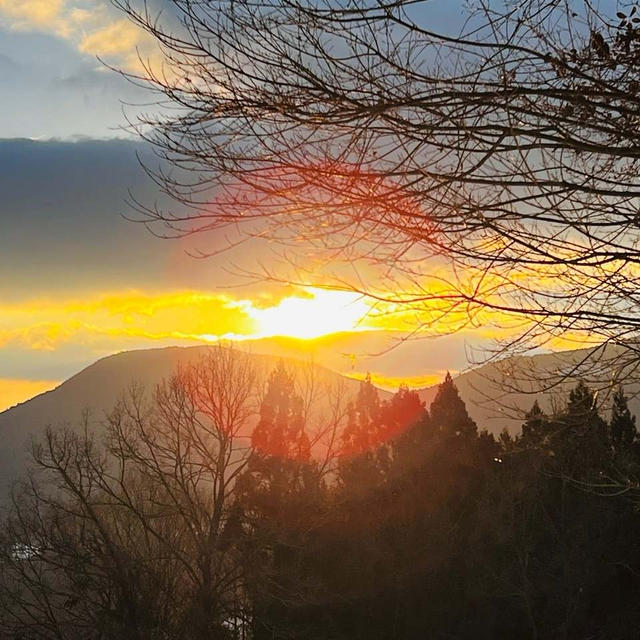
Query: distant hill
{"points": [[390, 356], [98, 387], [498, 394]]}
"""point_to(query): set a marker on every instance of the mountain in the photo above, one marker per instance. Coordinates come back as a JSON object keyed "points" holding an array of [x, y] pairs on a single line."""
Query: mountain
{"points": [[389, 356], [499, 394], [97, 388]]}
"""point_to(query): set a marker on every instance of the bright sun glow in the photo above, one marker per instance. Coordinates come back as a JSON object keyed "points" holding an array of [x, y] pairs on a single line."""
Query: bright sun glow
{"points": [[324, 311]]}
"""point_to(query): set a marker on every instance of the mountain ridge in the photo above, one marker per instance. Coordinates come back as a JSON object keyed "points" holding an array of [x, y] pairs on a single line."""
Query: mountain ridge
{"points": [[497, 394], [97, 388]]}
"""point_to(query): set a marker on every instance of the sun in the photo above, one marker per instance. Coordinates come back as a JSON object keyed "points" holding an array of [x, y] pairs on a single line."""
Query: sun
{"points": [[318, 313]]}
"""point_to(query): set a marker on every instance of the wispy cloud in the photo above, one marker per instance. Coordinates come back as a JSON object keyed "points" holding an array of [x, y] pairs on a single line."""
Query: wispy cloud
{"points": [[92, 26], [44, 325], [28, 14]]}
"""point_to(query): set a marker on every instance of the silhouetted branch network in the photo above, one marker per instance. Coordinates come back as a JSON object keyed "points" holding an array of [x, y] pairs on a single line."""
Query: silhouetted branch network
{"points": [[484, 170]]}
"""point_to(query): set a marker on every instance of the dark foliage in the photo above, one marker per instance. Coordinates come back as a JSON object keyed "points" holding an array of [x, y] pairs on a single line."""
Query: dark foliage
{"points": [[434, 530], [424, 528]]}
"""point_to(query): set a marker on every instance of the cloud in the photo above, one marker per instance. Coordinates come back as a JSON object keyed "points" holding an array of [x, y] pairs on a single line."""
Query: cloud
{"points": [[25, 14], [13, 391], [44, 324], [118, 37], [51, 338], [108, 319], [123, 42], [90, 25]]}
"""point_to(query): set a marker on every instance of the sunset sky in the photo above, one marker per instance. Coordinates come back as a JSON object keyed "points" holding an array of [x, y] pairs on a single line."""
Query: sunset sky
{"points": [[78, 281]]}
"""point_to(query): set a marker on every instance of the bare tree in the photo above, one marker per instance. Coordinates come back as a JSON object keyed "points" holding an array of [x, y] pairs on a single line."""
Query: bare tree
{"points": [[140, 538], [483, 172]]}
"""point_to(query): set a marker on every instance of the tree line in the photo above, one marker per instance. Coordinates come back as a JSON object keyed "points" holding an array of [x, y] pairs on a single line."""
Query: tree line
{"points": [[206, 512]]}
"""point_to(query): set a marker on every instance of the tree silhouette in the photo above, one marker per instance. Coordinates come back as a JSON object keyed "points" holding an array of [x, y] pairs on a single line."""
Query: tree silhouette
{"points": [[487, 167], [282, 496], [582, 442], [536, 426], [622, 425], [140, 537], [175, 529], [448, 412], [281, 429]]}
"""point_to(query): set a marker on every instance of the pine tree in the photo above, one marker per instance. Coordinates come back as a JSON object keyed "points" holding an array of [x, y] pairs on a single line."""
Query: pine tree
{"points": [[280, 431], [536, 427], [582, 438], [622, 427], [363, 430], [364, 458], [402, 412], [283, 495], [448, 412], [408, 420], [582, 403]]}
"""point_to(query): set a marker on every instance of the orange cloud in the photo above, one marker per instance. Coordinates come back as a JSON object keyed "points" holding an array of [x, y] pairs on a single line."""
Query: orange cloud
{"points": [[93, 28], [13, 391], [29, 13], [116, 38], [44, 324]]}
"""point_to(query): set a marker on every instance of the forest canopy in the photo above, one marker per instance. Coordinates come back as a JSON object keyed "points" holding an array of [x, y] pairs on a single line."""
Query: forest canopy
{"points": [[420, 524]]}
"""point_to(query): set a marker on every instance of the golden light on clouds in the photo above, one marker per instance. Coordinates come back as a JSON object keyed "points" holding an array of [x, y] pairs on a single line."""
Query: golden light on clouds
{"points": [[44, 324], [119, 38], [103, 324], [27, 13], [14, 391], [92, 26], [320, 312]]}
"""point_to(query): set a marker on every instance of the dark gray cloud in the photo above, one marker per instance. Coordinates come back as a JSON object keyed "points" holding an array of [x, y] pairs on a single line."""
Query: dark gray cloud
{"points": [[62, 224], [49, 89]]}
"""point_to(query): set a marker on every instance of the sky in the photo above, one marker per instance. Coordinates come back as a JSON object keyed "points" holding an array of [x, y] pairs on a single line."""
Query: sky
{"points": [[79, 281]]}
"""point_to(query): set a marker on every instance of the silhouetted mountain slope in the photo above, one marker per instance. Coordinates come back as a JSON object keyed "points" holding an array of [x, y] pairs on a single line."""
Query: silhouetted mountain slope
{"points": [[498, 394], [97, 388]]}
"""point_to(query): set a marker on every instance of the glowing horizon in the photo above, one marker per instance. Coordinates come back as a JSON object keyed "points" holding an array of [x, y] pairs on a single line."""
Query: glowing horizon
{"points": [[14, 391], [101, 324], [312, 314], [322, 323]]}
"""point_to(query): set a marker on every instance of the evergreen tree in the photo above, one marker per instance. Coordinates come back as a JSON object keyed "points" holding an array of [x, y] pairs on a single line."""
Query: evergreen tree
{"points": [[402, 412], [449, 413], [581, 406], [363, 431], [411, 434], [581, 441], [506, 442], [536, 427], [622, 427], [364, 452], [282, 496], [280, 431]]}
